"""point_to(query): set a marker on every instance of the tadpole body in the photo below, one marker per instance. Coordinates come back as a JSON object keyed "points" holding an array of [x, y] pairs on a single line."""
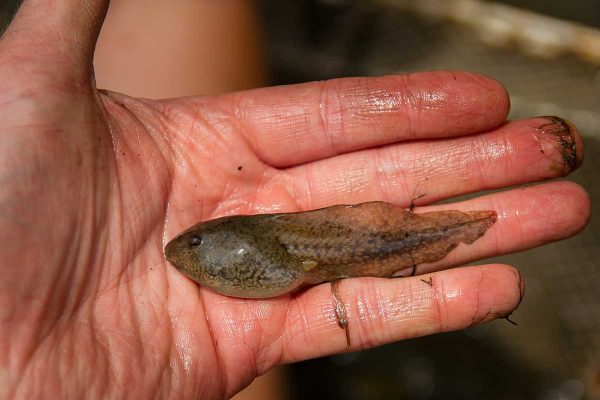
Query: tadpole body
{"points": [[267, 255]]}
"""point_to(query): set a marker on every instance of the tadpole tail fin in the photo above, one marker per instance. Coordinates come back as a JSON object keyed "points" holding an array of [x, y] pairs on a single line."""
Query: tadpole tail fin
{"points": [[447, 229]]}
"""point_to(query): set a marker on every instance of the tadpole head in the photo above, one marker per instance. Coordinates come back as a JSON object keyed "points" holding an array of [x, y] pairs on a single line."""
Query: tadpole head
{"points": [[214, 254], [184, 251]]}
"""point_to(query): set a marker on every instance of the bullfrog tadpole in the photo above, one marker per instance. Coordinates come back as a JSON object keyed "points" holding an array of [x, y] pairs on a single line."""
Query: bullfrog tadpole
{"points": [[268, 255]]}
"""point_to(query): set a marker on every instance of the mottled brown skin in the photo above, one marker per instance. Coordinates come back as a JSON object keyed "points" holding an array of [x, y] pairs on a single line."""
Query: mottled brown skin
{"points": [[268, 255]]}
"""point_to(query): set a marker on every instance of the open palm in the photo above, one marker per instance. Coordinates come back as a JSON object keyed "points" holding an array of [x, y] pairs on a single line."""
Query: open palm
{"points": [[93, 184]]}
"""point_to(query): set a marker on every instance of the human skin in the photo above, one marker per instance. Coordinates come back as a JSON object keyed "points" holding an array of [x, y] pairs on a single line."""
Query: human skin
{"points": [[185, 47], [93, 184]]}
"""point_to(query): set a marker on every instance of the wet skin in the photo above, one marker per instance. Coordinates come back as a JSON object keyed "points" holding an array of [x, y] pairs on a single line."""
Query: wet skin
{"points": [[268, 255]]}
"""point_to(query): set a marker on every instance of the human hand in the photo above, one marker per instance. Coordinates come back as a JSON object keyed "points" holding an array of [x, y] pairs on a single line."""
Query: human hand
{"points": [[95, 183]]}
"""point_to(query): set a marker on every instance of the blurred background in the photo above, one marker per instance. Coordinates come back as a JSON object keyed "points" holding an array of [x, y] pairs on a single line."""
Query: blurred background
{"points": [[546, 52]]}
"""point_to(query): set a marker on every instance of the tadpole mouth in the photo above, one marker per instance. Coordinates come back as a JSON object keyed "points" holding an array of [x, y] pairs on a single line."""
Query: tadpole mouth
{"points": [[171, 252]]}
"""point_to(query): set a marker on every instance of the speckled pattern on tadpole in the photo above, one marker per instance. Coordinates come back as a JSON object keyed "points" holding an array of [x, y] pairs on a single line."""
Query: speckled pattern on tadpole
{"points": [[268, 255]]}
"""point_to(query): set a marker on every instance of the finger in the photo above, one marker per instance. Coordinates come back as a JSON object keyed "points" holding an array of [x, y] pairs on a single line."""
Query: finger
{"points": [[527, 218], [294, 124], [515, 153], [382, 311], [58, 35]]}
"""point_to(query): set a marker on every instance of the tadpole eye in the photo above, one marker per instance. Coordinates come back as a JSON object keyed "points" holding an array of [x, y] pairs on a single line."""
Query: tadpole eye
{"points": [[195, 241]]}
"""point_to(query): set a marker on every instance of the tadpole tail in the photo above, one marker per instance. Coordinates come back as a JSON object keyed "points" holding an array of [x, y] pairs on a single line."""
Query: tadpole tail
{"points": [[489, 216], [478, 223], [444, 231]]}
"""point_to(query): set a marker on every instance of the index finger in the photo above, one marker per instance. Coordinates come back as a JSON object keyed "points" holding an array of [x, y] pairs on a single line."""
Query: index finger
{"points": [[290, 125]]}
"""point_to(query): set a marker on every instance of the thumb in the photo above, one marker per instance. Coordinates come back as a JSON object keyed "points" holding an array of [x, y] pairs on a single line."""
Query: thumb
{"points": [[57, 34]]}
